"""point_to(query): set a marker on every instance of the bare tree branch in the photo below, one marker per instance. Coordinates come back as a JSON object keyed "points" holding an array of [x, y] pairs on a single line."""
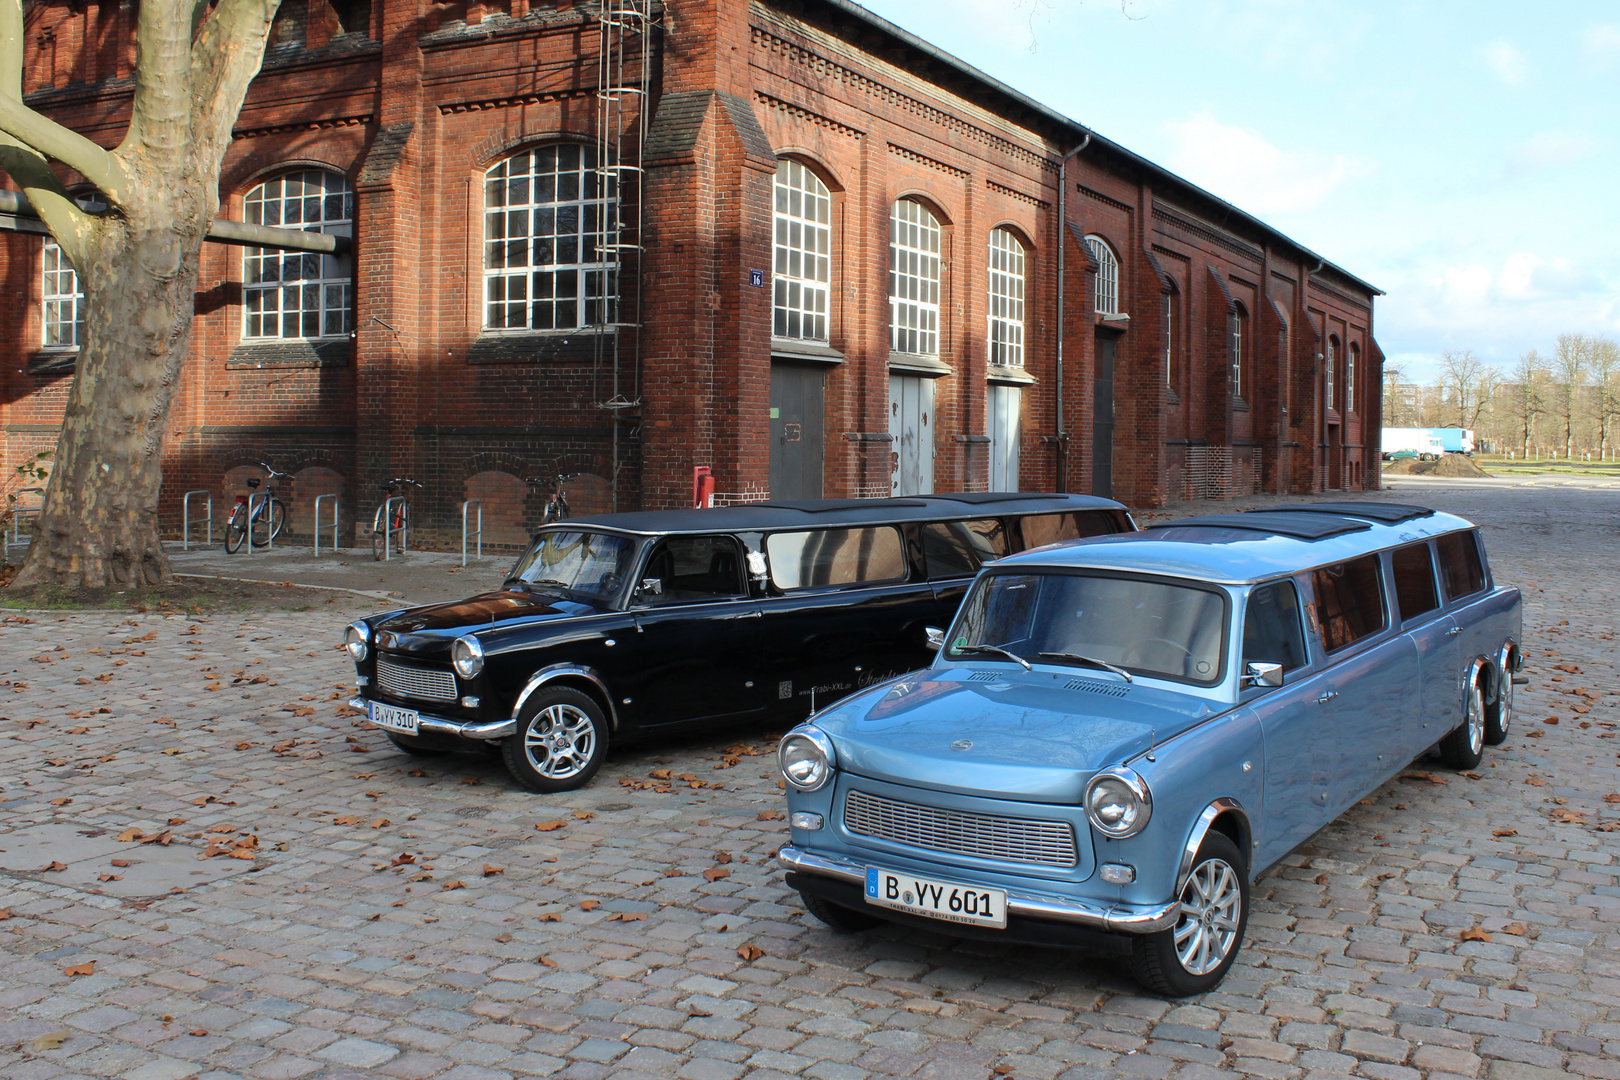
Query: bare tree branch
{"points": [[51, 140], [11, 48], [219, 77], [70, 225]]}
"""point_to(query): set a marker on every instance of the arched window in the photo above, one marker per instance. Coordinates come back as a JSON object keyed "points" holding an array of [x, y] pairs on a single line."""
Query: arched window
{"points": [[299, 294], [1172, 300], [1332, 360], [63, 301], [914, 243], [545, 214], [1106, 299], [803, 253], [1240, 327], [1006, 299], [1350, 367]]}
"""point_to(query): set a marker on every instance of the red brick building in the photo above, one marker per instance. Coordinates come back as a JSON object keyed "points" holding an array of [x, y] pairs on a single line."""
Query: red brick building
{"points": [[783, 239]]}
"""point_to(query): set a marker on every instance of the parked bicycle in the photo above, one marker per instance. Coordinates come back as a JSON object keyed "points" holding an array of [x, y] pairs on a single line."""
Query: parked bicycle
{"points": [[262, 517], [395, 511], [556, 506]]}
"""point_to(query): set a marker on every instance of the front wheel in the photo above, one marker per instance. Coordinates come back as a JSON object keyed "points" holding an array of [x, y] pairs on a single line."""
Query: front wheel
{"points": [[236, 530], [560, 741], [1193, 956], [1499, 713], [1463, 748], [267, 526]]}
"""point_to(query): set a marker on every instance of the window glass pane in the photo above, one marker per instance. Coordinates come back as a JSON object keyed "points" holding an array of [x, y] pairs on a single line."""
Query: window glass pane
{"points": [[803, 211], [1414, 580], [913, 279], [62, 300], [1272, 632], [1349, 601], [958, 548], [1042, 529], [805, 560], [1006, 331], [692, 568], [1460, 565], [317, 300], [1106, 294]]}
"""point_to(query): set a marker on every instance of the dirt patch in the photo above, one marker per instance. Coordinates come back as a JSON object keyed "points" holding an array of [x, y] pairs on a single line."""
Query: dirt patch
{"points": [[1450, 465], [189, 595]]}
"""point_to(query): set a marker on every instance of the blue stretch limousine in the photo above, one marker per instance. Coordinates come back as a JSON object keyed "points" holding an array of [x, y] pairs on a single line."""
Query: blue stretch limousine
{"points": [[1119, 733]]}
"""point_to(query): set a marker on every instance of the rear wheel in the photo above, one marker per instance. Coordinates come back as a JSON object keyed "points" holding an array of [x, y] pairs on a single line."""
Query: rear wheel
{"points": [[1499, 713], [1463, 748], [1193, 956], [267, 526], [236, 529], [837, 916]]}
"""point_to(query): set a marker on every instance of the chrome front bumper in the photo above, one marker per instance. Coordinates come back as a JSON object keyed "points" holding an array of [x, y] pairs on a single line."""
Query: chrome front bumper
{"points": [[1119, 918], [444, 725]]}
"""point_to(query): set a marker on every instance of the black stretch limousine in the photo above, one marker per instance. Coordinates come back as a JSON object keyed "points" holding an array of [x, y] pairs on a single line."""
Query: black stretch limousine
{"points": [[617, 626]]}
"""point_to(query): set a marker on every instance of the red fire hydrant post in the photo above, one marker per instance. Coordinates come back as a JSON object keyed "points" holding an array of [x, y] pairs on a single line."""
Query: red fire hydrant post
{"points": [[702, 487]]}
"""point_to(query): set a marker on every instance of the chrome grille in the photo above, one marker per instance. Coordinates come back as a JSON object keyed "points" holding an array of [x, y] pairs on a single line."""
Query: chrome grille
{"points": [[1046, 843], [432, 684]]}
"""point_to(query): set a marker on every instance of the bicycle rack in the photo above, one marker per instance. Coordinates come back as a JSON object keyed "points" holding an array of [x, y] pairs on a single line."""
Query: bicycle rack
{"points": [[479, 532], [187, 521], [263, 500], [389, 529], [318, 500], [13, 536]]}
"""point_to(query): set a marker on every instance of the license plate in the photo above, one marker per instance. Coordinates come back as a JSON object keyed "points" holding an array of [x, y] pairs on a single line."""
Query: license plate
{"points": [[947, 900], [394, 719]]}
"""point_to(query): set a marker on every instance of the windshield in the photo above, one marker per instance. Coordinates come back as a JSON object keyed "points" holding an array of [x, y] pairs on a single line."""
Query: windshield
{"points": [[593, 565], [1144, 626]]}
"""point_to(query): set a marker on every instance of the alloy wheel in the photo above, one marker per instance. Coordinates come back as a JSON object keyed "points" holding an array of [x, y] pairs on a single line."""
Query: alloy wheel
{"points": [[560, 741], [1210, 907]]}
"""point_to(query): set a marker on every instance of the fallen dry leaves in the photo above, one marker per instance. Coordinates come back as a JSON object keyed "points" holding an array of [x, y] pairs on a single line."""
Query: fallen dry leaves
{"points": [[51, 1040], [1514, 928], [589, 905], [750, 953], [550, 826], [715, 873], [86, 968], [1474, 933], [491, 871], [769, 815]]}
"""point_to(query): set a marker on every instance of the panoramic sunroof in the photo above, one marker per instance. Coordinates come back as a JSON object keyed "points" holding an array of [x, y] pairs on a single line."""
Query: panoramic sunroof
{"points": [[1299, 526], [1388, 513]]}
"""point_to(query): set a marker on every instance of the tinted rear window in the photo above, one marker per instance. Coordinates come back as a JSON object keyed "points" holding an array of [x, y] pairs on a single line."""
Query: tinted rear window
{"points": [[1460, 565], [1349, 601], [1042, 529], [959, 548], [816, 557], [1414, 580]]}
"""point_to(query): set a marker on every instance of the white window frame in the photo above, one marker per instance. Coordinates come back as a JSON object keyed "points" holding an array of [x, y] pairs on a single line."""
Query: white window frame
{"points": [[801, 283], [1332, 363], [1350, 358], [557, 184], [62, 307], [1170, 338], [915, 239], [314, 291], [1239, 317], [1006, 300], [1105, 297]]}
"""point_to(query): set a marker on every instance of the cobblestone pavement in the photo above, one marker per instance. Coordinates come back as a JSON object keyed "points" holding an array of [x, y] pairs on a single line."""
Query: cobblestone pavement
{"points": [[211, 870]]}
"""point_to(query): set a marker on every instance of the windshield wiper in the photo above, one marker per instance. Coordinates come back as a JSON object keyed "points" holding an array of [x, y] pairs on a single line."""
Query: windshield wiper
{"points": [[530, 585], [1092, 660], [993, 649]]}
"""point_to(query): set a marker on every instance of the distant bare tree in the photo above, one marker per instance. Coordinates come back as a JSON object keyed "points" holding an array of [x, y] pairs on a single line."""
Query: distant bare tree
{"points": [[1528, 400], [1571, 365], [1605, 389], [1470, 383]]}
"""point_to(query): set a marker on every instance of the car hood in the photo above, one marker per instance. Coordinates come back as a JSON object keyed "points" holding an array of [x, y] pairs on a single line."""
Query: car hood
{"points": [[429, 627], [1035, 736]]}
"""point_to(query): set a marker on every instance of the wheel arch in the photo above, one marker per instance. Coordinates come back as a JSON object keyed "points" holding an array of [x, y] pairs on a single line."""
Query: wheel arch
{"points": [[1507, 662], [575, 677], [1225, 816]]}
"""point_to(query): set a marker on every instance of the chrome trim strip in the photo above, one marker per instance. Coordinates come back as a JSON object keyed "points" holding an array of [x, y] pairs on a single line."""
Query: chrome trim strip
{"points": [[443, 725], [1200, 829], [1120, 918], [555, 671], [1505, 670]]}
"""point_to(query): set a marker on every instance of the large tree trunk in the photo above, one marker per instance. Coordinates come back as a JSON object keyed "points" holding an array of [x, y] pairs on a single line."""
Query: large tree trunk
{"points": [[99, 525]]}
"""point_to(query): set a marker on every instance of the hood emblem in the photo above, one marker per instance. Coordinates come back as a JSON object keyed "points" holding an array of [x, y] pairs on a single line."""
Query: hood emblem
{"points": [[962, 744]]}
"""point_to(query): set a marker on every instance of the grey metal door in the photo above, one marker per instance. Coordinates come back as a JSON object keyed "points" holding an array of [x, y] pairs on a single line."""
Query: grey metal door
{"points": [[1005, 406], [797, 400], [911, 424], [1102, 421]]}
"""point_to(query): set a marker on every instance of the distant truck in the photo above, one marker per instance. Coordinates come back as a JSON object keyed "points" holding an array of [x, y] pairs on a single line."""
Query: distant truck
{"points": [[1426, 444]]}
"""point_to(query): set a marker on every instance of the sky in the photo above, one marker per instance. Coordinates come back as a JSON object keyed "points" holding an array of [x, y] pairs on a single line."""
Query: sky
{"points": [[1462, 156]]}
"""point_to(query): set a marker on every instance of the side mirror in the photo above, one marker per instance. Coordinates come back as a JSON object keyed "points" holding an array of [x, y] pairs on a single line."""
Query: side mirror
{"points": [[650, 586], [935, 638], [1262, 674]]}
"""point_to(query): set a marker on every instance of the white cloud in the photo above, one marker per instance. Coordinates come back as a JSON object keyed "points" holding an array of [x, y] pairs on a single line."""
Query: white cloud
{"points": [[1551, 149], [1509, 64], [1603, 41], [1242, 166]]}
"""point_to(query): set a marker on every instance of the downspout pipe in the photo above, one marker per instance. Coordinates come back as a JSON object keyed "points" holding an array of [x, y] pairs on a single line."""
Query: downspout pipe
{"points": [[1063, 244], [18, 214]]}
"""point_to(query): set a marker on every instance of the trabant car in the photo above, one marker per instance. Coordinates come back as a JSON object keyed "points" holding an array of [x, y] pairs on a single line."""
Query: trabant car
{"points": [[613, 627], [1118, 735]]}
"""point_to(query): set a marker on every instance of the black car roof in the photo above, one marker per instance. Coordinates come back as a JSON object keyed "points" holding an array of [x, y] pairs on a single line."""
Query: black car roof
{"points": [[759, 517]]}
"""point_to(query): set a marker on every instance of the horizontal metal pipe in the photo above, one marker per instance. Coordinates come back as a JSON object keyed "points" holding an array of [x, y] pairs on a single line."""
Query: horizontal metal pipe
{"points": [[15, 205]]}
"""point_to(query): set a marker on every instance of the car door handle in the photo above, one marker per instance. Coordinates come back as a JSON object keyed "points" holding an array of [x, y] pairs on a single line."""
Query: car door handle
{"points": [[753, 615], [1327, 697], [1454, 631]]}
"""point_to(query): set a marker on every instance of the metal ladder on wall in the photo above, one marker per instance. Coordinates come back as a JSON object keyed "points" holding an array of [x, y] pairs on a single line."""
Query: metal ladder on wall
{"points": [[623, 79]]}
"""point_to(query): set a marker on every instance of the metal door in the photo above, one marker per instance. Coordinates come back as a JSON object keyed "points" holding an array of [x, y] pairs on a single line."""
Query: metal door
{"points": [[1102, 422], [797, 400], [1005, 407], [911, 424]]}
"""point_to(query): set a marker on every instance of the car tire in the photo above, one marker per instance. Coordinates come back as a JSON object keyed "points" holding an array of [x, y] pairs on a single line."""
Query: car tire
{"points": [[1499, 713], [1463, 748], [415, 749], [560, 741], [837, 916], [1193, 956]]}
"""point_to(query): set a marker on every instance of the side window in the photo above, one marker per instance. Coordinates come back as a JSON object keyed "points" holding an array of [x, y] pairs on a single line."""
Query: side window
{"points": [[1414, 580], [1460, 565], [692, 568], [959, 548], [1272, 633], [1349, 601], [817, 557], [1042, 529]]}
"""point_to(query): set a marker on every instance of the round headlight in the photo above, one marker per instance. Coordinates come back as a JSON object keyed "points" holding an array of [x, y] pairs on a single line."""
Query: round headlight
{"points": [[467, 656], [805, 756], [357, 639], [1118, 803]]}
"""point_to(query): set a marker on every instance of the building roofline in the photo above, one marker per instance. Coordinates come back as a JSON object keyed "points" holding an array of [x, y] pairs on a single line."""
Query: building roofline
{"points": [[934, 52]]}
